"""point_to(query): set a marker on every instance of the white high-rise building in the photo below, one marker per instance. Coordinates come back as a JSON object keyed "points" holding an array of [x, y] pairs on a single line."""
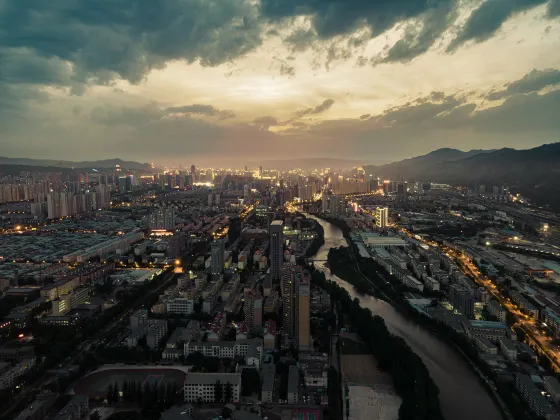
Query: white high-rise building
{"points": [[218, 256], [53, 205], [382, 217]]}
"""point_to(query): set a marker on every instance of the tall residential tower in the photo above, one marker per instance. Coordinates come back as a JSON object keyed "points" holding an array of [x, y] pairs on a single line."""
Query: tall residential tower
{"points": [[276, 248]]}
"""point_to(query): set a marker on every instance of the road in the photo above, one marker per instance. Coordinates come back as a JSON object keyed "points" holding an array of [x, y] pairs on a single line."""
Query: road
{"points": [[86, 343], [522, 321]]}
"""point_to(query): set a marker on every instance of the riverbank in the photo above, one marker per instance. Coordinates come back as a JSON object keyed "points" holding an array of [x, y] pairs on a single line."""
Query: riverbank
{"points": [[463, 399], [340, 262], [412, 381]]}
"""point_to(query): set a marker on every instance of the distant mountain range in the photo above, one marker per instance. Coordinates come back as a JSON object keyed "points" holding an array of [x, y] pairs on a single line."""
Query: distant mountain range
{"points": [[534, 173], [65, 164]]}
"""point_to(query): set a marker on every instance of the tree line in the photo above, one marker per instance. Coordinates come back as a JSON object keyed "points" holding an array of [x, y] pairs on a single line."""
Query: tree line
{"points": [[412, 381]]}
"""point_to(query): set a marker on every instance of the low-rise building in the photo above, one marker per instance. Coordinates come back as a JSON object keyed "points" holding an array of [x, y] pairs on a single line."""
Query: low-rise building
{"points": [[202, 386], [76, 409], [268, 375], [495, 309], [180, 306], [508, 348], [485, 345], [293, 385], [538, 404], [250, 349], [552, 386]]}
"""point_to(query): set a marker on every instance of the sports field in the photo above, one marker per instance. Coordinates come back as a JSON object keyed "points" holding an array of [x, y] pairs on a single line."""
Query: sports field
{"points": [[368, 392], [95, 384]]}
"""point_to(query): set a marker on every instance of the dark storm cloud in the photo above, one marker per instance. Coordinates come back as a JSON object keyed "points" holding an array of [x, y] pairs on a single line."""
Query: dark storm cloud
{"points": [[136, 116], [327, 104], [127, 38], [485, 21], [521, 113], [129, 116], [554, 8], [209, 110], [339, 17], [420, 37], [532, 82]]}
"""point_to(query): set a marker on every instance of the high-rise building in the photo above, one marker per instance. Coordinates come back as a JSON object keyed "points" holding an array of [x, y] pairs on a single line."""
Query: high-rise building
{"points": [[210, 199], [126, 183], [193, 174], [335, 205], [276, 248], [53, 205], [290, 277], [462, 300], [324, 202], [402, 197], [177, 245], [295, 305], [163, 218], [218, 256], [303, 296], [253, 308], [382, 217]]}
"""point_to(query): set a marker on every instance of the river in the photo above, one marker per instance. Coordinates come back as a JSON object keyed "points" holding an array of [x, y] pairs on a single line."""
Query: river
{"points": [[462, 397]]}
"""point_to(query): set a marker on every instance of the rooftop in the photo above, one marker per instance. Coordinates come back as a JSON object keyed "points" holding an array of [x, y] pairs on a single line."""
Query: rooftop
{"points": [[212, 378], [488, 324]]}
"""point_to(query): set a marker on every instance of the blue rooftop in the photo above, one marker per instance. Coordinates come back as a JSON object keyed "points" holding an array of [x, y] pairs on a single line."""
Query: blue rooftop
{"points": [[488, 324]]}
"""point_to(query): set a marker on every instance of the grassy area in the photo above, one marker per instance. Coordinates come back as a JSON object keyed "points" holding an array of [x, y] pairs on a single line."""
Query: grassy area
{"points": [[352, 347]]}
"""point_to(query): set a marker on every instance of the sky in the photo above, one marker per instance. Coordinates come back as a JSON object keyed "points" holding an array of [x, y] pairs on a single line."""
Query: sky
{"points": [[230, 81]]}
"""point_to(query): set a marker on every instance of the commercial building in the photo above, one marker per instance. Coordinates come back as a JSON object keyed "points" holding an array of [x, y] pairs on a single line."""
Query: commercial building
{"points": [[293, 385], [138, 319], [492, 330], [495, 309], [485, 345], [552, 386], [303, 331], [530, 393], [250, 349], [218, 256], [9, 373], [66, 302], [180, 306], [382, 217], [163, 218], [296, 305], [508, 348], [276, 248], [462, 300], [268, 375], [76, 409], [253, 309], [202, 386]]}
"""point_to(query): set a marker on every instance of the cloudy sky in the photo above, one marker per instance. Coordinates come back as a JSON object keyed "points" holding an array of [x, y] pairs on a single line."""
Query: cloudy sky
{"points": [[202, 81]]}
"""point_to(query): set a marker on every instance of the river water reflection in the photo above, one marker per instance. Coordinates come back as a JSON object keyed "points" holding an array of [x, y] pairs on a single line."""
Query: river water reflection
{"points": [[461, 395]]}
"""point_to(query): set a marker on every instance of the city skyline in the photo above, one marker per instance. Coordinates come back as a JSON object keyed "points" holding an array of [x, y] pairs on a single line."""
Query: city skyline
{"points": [[255, 79]]}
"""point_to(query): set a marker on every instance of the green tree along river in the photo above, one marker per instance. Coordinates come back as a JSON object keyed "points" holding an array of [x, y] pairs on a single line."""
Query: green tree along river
{"points": [[461, 395]]}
